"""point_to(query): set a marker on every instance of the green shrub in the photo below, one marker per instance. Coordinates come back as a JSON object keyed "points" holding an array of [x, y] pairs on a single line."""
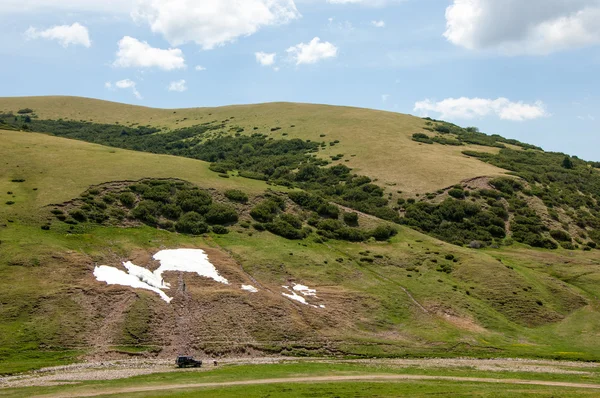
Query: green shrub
{"points": [[329, 210], [280, 226], [351, 219], [236, 195], [560, 235], [221, 214], [220, 230], [127, 199], [457, 193], [78, 215], [147, 211], [193, 201], [192, 223], [171, 211], [265, 211], [384, 232]]}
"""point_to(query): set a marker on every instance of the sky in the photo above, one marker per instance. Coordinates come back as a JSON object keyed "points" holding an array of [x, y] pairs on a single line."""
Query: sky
{"points": [[522, 69]]}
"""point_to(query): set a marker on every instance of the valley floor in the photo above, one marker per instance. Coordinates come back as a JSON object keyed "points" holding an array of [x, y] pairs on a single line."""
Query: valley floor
{"points": [[312, 377]]}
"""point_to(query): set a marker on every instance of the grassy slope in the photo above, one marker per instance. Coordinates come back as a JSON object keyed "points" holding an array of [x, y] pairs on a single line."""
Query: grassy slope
{"points": [[46, 275], [380, 140]]}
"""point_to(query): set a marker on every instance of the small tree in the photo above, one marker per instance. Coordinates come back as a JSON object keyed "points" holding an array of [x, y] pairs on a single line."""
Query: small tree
{"points": [[567, 163]]}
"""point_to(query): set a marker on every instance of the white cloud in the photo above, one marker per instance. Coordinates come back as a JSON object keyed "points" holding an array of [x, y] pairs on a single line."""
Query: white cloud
{"points": [[133, 53], [212, 23], [178, 86], [265, 59], [312, 52], [523, 27], [124, 84], [385, 98], [200, 68], [378, 24], [66, 35], [471, 108]]}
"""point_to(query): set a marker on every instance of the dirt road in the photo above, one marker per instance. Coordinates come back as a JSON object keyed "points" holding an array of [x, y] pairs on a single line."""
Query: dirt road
{"points": [[323, 379]]}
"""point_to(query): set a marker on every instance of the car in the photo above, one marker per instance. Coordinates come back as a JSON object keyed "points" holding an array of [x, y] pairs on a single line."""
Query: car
{"points": [[187, 362]]}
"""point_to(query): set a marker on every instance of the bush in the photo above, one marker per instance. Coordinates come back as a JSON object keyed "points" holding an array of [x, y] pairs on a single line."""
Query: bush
{"points": [[127, 199], [24, 111], [221, 214], [191, 223], [560, 235], [280, 226], [384, 232], [194, 201], [329, 210], [265, 211], [220, 230], [78, 215], [236, 195], [171, 211], [457, 193], [147, 211], [351, 219]]}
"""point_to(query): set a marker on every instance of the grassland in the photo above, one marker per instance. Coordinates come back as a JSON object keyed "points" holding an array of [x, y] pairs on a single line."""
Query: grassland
{"points": [[376, 143], [507, 302], [331, 378], [412, 296]]}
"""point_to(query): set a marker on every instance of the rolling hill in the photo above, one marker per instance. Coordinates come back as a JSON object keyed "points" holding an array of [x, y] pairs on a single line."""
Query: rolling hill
{"points": [[407, 293]]}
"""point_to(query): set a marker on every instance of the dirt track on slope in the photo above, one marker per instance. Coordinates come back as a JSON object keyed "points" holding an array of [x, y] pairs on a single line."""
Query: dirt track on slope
{"points": [[324, 379]]}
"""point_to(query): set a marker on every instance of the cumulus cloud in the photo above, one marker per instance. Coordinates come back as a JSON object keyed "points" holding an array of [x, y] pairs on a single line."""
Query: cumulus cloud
{"points": [[471, 108], [378, 24], [212, 23], [133, 53], [66, 35], [313, 52], [523, 27], [124, 84], [178, 86], [265, 59]]}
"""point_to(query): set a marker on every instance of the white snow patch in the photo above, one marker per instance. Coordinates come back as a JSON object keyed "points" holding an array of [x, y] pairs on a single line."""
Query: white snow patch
{"points": [[249, 288], [187, 260], [182, 260], [304, 291], [114, 276], [296, 297]]}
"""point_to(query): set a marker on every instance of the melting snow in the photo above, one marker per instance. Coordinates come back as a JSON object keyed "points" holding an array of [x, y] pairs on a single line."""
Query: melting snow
{"points": [[249, 288], [304, 291], [114, 276], [183, 260]]}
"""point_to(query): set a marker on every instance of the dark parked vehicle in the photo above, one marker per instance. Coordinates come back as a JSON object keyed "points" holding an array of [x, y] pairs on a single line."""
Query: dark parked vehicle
{"points": [[187, 362]]}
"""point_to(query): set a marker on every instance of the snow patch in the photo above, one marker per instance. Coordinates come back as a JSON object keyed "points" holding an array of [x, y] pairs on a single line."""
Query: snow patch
{"points": [[114, 276], [304, 291], [249, 288], [182, 260], [187, 260]]}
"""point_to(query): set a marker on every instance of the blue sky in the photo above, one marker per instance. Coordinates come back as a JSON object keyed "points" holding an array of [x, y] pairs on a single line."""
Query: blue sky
{"points": [[525, 70]]}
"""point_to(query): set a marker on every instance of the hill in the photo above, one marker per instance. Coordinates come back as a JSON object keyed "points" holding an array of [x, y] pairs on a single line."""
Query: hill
{"points": [[375, 143], [386, 289]]}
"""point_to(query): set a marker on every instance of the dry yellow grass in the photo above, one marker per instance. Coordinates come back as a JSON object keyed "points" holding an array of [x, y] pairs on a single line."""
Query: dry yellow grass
{"points": [[381, 141], [56, 170]]}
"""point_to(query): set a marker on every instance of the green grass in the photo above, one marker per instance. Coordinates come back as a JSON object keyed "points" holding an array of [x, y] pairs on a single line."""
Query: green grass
{"points": [[315, 369]]}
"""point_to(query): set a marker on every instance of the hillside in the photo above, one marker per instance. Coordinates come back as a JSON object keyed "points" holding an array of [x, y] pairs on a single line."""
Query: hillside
{"points": [[388, 287], [375, 143]]}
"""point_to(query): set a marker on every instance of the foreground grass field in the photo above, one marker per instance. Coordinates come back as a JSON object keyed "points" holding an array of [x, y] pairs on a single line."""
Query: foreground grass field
{"points": [[335, 378], [375, 143]]}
